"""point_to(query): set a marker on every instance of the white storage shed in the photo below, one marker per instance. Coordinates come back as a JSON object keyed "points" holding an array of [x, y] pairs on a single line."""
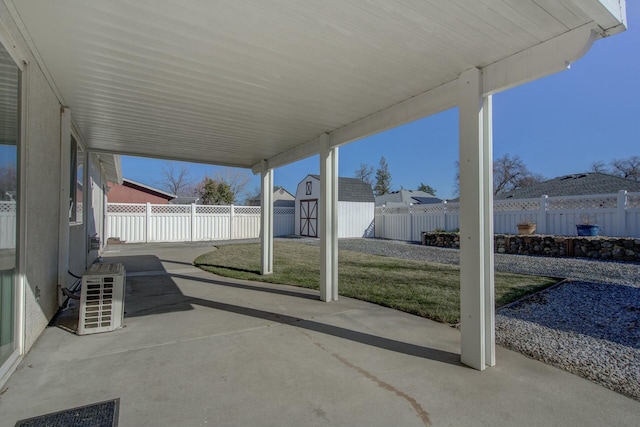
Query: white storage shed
{"points": [[356, 207]]}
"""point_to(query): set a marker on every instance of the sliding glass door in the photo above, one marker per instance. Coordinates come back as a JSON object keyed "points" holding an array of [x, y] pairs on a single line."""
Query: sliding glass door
{"points": [[9, 90]]}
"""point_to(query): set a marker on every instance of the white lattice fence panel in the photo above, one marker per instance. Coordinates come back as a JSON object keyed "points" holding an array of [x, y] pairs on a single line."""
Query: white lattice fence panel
{"points": [[126, 208], [284, 211], [583, 202], [516, 205], [400, 210], [435, 208], [7, 207], [246, 210], [170, 209], [633, 201], [453, 208], [7, 225], [213, 210]]}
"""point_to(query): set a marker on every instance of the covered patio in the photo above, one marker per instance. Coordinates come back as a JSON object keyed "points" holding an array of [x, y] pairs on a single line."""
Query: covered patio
{"points": [[199, 349], [263, 84]]}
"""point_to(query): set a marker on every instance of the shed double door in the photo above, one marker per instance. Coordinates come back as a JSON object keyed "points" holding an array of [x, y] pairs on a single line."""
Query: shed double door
{"points": [[309, 218]]}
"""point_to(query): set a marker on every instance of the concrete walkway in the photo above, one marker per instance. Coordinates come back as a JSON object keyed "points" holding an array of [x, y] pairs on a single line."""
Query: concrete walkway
{"points": [[201, 350]]}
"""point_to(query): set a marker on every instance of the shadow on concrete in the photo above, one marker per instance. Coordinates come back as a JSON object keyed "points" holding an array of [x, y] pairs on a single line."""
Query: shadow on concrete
{"points": [[158, 293], [287, 292], [336, 331]]}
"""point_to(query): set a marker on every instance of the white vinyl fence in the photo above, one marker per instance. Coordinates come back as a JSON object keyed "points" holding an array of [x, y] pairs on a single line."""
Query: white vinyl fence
{"points": [[7, 225], [617, 214], [136, 223]]}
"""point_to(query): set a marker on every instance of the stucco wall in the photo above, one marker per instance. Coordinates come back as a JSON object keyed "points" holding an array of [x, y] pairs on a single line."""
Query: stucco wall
{"points": [[41, 199]]}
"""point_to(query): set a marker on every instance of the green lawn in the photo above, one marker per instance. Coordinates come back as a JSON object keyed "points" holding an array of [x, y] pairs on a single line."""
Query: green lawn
{"points": [[427, 289]]}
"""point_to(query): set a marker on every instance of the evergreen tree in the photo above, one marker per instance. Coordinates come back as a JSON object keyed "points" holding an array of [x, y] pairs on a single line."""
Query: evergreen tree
{"points": [[214, 192], [383, 179], [426, 188]]}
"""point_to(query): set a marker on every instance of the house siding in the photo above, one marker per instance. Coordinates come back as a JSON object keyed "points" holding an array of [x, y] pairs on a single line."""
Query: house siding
{"points": [[123, 194], [40, 198]]}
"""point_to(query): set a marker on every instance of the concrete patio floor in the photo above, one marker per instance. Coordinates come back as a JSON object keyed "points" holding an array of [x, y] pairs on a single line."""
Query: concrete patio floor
{"points": [[202, 350]]}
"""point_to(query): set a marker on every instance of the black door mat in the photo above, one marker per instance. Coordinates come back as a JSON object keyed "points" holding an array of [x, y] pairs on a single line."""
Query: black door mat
{"points": [[103, 414]]}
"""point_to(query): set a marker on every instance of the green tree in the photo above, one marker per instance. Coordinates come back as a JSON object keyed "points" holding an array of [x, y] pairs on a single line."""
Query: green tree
{"points": [[383, 179], [427, 188], [213, 192]]}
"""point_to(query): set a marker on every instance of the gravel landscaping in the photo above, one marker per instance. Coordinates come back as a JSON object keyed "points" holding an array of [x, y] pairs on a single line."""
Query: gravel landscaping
{"points": [[588, 325]]}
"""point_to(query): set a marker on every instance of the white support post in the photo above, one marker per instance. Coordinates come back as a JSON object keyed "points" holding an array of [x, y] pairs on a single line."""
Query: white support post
{"points": [[193, 222], [476, 267], [334, 223], [65, 194], [489, 284], [147, 219], [443, 217], [410, 211], [231, 221], [328, 228], [621, 208], [266, 220], [541, 221]]}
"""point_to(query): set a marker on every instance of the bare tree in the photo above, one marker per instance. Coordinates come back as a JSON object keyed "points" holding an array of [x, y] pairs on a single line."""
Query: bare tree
{"points": [[627, 168], [509, 173], [365, 173], [236, 179], [176, 180], [598, 166]]}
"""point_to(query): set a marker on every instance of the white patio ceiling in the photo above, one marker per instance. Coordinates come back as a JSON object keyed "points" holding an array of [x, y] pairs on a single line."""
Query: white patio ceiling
{"points": [[236, 82]]}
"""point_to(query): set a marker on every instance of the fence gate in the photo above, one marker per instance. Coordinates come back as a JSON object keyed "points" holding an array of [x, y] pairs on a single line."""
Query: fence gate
{"points": [[309, 218]]}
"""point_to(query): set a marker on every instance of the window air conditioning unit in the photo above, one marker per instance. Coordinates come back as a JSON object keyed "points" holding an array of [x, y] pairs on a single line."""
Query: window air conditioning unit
{"points": [[102, 299]]}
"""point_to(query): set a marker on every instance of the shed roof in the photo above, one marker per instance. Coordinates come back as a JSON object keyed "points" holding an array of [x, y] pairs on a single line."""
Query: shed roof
{"points": [[352, 190], [574, 185]]}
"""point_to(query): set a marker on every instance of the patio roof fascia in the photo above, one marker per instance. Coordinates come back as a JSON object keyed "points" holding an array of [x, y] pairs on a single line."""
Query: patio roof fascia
{"points": [[541, 60]]}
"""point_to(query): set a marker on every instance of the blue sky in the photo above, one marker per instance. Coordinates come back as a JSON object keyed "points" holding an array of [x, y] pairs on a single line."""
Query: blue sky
{"points": [[558, 125]]}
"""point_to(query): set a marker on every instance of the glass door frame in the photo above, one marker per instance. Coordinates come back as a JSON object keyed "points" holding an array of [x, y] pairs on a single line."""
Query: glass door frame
{"points": [[21, 63]]}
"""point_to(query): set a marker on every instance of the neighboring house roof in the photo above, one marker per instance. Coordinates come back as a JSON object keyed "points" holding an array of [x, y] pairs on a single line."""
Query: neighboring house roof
{"points": [[426, 200], [279, 193], [574, 185], [284, 203], [147, 189], [352, 190], [406, 197], [185, 200]]}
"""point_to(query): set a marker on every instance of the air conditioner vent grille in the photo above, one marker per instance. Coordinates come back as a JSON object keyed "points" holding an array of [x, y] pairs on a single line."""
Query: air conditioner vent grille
{"points": [[102, 299]]}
